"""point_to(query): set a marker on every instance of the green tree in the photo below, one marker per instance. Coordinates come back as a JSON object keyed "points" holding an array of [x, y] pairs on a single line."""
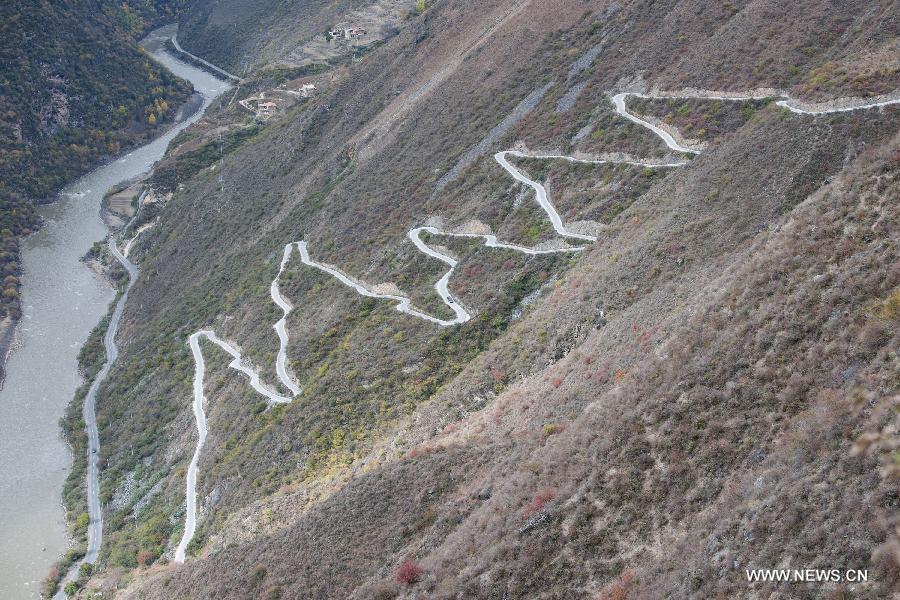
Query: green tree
{"points": [[85, 570], [81, 523]]}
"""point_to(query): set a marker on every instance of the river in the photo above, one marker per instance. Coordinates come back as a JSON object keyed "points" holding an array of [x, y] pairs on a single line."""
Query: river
{"points": [[62, 301]]}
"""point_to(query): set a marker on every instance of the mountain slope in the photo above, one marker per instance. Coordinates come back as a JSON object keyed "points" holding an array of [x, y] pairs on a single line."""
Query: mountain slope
{"points": [[240, 34], [602, 408], [76, 91]]}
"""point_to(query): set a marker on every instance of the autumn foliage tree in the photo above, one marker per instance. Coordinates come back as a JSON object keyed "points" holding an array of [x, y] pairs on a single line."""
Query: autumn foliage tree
{"points": [[409, 573], [145, 558]]}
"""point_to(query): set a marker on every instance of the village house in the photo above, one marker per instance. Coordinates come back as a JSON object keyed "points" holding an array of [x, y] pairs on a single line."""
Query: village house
{"points": [[265, 110], [306, 90], [349, 33]]}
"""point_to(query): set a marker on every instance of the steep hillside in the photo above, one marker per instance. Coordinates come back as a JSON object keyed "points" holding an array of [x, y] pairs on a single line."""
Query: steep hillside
{"points": [[240, 34], [649, 412], [76, 91], [727, 445]]}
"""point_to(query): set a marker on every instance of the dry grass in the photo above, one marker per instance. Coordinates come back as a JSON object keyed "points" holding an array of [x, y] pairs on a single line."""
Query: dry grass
{"points": [[717, 334]]}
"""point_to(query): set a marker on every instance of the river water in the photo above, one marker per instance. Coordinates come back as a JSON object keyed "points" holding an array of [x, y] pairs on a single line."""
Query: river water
{"points": [[62, 301]]}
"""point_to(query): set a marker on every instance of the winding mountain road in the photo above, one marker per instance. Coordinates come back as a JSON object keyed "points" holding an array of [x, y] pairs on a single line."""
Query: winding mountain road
{"points": [[404, 303], [95, 526], [619, 102], [853, 104], [127, 249], [281, 327], [208, 88], [88, 412], [237, 363], [541, 195], [786, 101]]}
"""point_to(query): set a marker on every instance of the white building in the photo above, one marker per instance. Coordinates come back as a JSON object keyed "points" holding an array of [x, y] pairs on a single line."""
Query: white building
{"points": [[350, 33], [265, 109]]}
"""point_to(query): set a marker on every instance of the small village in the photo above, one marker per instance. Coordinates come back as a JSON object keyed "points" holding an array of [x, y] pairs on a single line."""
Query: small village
{"points": [[265, 107], [349, 33]]}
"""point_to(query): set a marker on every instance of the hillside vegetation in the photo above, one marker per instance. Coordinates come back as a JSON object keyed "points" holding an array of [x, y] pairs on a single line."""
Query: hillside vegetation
{"points": [[242, 34], [79, 91], [648, 417], [76, 91]]}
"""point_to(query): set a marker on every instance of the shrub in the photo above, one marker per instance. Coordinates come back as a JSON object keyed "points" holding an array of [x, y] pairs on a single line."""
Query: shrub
{"points": [[539, 501], [553, 428], [82, 522], [274, 593], [385, 590], [889, 309], [619, 589], [51, 582], [409, 573], [259, 574]]}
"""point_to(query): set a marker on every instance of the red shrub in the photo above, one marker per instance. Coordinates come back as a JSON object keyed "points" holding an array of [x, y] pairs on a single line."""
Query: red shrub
{"points": [[145, 557], [409, 572], [539, 501], [557, 382], [618, 590], [421, 450]]}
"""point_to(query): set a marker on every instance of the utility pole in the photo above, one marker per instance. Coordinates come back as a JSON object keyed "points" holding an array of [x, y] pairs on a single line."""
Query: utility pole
{"points": [[221, 164]]}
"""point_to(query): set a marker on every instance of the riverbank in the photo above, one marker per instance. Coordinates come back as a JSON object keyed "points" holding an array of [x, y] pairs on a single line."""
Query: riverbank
{"points": [[62, 302], [7, 341], [11, 308], [89, 470]]}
